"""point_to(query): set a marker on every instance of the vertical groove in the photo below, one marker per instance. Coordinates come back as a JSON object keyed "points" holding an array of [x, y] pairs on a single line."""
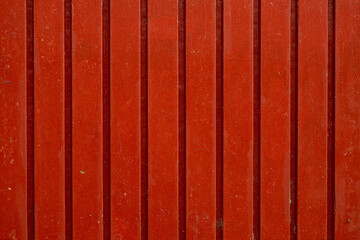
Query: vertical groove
{"points": [[293, 119], [106, 119], [219, 119], [182, 121], [30, 117], [256, 120], [144, 120], [68, 120], [331, 123]]}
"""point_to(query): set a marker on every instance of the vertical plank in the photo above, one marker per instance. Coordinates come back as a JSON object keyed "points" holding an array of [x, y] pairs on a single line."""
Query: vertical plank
{"points": [[238, 119], [347, 120], [200, 119], [163, 119], [13, 120], [49, 116], [125, 120], [275, 120], [312, 119], [87, 119]]}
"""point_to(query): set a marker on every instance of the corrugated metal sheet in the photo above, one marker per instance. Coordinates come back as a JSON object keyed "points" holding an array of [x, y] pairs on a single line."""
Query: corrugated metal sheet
{"points": [[164, 119]]}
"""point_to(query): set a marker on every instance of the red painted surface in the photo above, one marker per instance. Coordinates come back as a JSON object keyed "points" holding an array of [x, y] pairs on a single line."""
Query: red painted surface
{"points": [[163, 118], [238, 119], [275, 120], [125, 120], [49, 128], [347, 120], [87, 119], [312, 120], [187, 140], [13, 154], [200, 119]]}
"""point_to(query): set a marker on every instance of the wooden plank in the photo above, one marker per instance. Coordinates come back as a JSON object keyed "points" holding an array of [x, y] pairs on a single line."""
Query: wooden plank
{"points": [[87, 119], [49, 116], [312, 119], [163, 108], [275, 120], [238, 119], [125, 120], [13, 152], [347, 119], [200, 119]]}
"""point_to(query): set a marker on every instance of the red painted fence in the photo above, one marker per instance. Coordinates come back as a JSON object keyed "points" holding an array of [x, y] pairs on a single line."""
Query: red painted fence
{"points": [[164, 119]]}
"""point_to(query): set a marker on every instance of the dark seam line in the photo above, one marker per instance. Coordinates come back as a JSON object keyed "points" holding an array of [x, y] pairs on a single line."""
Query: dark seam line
{"points": [[294, 120], [144, 120], [257, 117], [331, 123], [68, 120], [219, 118], [106, 119], [30, 117], [182, 119]]}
